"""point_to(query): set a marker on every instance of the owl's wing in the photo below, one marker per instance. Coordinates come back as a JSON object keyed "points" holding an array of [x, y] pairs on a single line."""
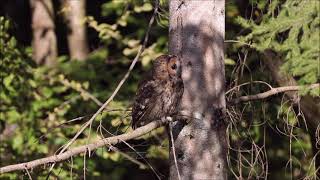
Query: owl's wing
{"points": [[144, 101]]}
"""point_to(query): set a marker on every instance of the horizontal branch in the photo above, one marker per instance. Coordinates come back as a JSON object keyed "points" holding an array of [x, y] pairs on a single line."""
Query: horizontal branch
{"points": [[89, 147], [269, 93], [133, 134]]}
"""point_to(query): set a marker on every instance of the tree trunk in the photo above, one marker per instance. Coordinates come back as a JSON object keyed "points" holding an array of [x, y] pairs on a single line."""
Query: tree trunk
{"points": [[308, 106], [44, 41], [196, 34], [77, 37]]}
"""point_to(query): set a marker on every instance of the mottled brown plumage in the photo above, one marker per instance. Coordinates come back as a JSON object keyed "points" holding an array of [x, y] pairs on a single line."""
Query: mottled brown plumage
{"points": [[159, 94]]}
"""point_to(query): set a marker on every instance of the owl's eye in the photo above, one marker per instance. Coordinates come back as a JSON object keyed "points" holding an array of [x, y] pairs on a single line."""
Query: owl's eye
{"points": [[174, 66]]}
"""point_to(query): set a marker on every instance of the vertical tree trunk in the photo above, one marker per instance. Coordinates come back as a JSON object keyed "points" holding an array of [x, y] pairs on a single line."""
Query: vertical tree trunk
{"points": [[196, 34], [44, 41], [77, 38]]}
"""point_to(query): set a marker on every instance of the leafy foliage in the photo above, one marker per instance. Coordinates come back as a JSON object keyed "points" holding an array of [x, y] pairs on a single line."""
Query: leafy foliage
{"points": [[46, 107], [41, 109], [34, 100], [127, 29], [292, 29], [268, 138]]}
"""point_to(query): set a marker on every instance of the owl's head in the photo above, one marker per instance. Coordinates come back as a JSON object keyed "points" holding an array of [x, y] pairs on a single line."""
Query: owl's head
{"points": [[167, 67]]}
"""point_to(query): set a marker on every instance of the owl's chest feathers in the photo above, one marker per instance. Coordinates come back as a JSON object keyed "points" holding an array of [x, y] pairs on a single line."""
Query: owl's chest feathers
{"points": [[156, 99], [168, 98]]}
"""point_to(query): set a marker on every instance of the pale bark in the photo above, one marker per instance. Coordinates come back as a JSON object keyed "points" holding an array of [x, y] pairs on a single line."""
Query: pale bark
{"points": [[308, 105], [196, 34], [44, 41], [75, 11]]}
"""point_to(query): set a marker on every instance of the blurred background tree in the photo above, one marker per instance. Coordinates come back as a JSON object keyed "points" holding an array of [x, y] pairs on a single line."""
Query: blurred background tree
{"points": [[45, 96]]}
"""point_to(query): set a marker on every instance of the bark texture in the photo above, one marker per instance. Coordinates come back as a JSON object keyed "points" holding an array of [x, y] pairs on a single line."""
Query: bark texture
{"points": [[308, 105], [77, 38], [196, 34], [44, 42]]}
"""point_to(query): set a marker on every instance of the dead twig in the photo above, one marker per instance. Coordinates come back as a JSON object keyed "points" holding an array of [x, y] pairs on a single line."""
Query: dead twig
{"points": [[269, 93]]}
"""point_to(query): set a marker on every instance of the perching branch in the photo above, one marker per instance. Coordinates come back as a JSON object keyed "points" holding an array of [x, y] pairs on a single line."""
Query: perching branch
{"points": [[269, 93], [82, 149]]}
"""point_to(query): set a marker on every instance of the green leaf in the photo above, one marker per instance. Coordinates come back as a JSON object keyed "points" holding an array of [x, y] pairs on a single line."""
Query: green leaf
{"points": [[13, 42], [13, 116], [17, 142], [7, 82], [229, 61], [114, 156], [47, 92]]}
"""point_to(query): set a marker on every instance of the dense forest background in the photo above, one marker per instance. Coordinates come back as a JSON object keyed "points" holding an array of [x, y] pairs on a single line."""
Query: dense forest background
{"points": [[44, 102]]}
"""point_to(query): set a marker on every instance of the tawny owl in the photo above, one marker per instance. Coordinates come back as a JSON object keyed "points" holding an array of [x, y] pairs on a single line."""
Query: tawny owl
{"points": [[159, 94]]}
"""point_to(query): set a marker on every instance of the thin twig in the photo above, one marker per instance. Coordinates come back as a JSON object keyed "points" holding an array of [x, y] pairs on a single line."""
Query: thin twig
{"points": [[71, 167], [153, 170], [84, 165], [29, 175], [114, 149], [235, 41], [174, 150], [141, 165], [238, 86], [82, 92]]}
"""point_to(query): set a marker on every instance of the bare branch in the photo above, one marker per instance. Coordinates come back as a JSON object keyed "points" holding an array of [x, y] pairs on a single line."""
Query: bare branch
{"points": [[82, 149], [269, 93]]}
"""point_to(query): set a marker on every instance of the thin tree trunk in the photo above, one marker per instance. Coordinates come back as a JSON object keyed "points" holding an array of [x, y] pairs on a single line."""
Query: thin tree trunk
{"points": [[196, 34], [77, 38], [44, 41], [310, 109]]}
